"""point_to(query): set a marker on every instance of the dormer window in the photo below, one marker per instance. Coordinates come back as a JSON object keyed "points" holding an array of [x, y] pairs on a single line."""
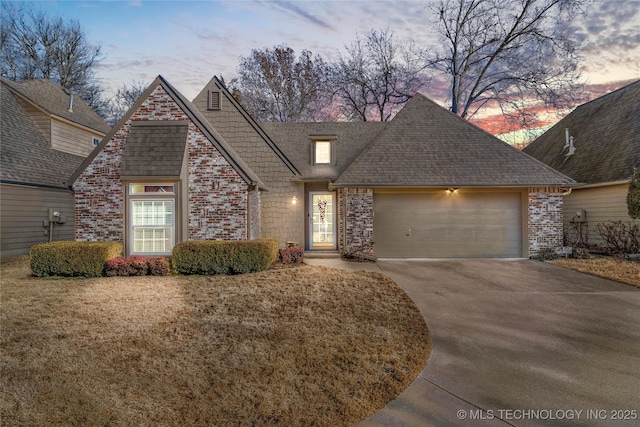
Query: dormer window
{"points": [[322, 153], [323, 150]]}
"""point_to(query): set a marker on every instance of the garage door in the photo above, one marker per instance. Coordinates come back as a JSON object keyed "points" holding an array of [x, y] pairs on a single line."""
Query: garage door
{"points": [[440, 224]]}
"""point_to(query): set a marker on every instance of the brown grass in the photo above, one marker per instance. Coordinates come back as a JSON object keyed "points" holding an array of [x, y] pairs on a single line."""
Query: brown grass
{"points": [[610, 268], [302, 346]]}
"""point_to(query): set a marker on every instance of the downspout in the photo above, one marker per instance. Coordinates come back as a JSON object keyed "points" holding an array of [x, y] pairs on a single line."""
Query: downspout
{"points": [[566, 193]]}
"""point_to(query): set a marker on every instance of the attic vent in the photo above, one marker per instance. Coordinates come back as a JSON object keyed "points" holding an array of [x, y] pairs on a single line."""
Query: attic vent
{"points": [[214, 100]]}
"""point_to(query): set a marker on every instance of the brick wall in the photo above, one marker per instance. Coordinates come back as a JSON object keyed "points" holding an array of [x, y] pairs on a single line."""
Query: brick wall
{"points": [[217, 202], [544, 219], [280, 219], [217, 194], [355, 221]]}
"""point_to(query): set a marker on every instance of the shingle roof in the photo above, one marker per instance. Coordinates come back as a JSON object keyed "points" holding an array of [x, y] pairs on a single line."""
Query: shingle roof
{"points": [[606, 134], [155, 150], [295, 139], [427, 145], [239, 165], [54, 99], [26, 157]]}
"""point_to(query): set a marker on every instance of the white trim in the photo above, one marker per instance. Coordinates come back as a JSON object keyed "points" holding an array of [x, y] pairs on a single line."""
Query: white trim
{"points": [[334, 224], [602, 184]]}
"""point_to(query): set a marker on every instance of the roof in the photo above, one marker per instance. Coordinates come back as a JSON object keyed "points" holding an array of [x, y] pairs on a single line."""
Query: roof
{"points": [[27, 158], [198, 120], [428, 146], [349, 139], [155, 149], [606, 134], [54, 100]]}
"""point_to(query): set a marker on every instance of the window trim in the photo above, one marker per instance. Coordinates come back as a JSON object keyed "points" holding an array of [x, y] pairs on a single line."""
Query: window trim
{"points": [[331, 139], [159, 196]]}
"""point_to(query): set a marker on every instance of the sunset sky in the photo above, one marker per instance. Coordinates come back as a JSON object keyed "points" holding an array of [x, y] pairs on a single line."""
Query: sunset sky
{"points": [[188, 42]]}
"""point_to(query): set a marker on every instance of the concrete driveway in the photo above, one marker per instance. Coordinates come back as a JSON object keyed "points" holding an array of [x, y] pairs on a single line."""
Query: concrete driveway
{"points": [[519, 342]]}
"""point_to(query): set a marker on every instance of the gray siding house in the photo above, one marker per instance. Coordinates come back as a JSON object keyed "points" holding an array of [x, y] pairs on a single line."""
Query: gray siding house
{"points": [[426, 184], [44, 137], [598, 145]]}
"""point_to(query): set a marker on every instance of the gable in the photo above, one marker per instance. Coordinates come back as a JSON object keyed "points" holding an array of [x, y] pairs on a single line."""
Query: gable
{"points": [[606, 137], [174, 107], [427, 145]]}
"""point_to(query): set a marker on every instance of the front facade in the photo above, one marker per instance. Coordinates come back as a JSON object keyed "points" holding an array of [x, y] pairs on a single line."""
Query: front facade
{"points": [[426, 184], [598, 145], [45, 135]]}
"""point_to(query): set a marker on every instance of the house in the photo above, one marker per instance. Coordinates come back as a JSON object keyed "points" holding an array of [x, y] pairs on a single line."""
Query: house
{"points": [[598, 145], [426, 184], [45, 134]]}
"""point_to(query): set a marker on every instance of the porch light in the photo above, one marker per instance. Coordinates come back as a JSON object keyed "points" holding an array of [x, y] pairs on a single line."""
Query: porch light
{"points": [[452, 190], [294, 200]]}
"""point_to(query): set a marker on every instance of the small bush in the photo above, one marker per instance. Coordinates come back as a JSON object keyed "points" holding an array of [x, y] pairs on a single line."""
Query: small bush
{"points": [[545, 254], [159, 266], [224, 256], [138, 266], [63, 258], [291, 255], [620, 238]]}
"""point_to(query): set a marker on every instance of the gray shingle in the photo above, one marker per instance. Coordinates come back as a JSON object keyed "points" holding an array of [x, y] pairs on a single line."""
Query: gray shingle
{"points": [[154, 151], [606, 135], [427, 145], [26, 156]]}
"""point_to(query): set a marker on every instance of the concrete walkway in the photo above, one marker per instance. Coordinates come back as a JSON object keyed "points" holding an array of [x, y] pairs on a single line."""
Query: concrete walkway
{"points": [[517, 342]]}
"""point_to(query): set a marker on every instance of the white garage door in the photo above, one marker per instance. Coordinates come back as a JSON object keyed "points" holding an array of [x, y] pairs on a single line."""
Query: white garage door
{"points": [[440, 224]]}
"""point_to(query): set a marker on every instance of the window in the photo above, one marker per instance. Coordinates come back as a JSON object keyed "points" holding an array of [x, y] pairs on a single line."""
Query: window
{"points": [[96, 141], [322, 152], [151, 188], [151, 218], [152, 224]]}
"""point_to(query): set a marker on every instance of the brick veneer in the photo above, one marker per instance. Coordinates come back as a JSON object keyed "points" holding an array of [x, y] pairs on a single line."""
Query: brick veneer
{"points": [[217, 201], [544, 219], [355, 222]]}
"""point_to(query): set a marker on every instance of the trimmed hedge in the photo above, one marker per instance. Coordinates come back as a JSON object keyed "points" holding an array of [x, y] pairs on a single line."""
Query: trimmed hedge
{"points": [[224, 256], [138, 266], [67, 258]]}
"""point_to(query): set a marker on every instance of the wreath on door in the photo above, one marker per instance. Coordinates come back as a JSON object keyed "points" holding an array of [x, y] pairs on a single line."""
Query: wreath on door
{"points": [[322, 209]]}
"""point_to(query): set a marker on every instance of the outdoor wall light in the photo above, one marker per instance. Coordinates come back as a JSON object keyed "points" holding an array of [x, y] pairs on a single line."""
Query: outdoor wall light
{"points": [[452, 190], [294, 200]]}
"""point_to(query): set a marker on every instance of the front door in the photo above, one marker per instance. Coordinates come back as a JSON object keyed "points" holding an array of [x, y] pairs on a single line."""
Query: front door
{"points": [[322, 221]]}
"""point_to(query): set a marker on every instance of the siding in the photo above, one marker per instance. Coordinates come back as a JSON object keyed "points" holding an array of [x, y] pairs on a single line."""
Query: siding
{"points": [[71, 139], [23, 210], [601, 204], [280, 218], [40, 119]]}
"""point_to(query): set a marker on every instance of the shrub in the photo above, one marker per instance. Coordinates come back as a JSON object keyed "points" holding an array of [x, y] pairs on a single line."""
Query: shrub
{"points": [[159, 266], [65, 258], [291, 255], [545, 254], [224, 256], [131, 266], [620, 238], [138, 266]]}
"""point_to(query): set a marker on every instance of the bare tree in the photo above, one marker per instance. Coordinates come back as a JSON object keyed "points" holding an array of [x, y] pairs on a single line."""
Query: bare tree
{"points": [[125, 97], [274, 85], [377, 76], [508, 53], [37, 46]]}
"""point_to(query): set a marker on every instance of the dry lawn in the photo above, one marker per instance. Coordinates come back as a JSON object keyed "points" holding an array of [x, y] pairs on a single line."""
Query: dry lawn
{"points": [[610, 268], [303, 346]]}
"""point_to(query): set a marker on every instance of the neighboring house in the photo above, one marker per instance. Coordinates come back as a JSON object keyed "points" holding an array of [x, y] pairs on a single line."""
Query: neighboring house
{"points": [[597, 145], [45, 134], [426, 184]]}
